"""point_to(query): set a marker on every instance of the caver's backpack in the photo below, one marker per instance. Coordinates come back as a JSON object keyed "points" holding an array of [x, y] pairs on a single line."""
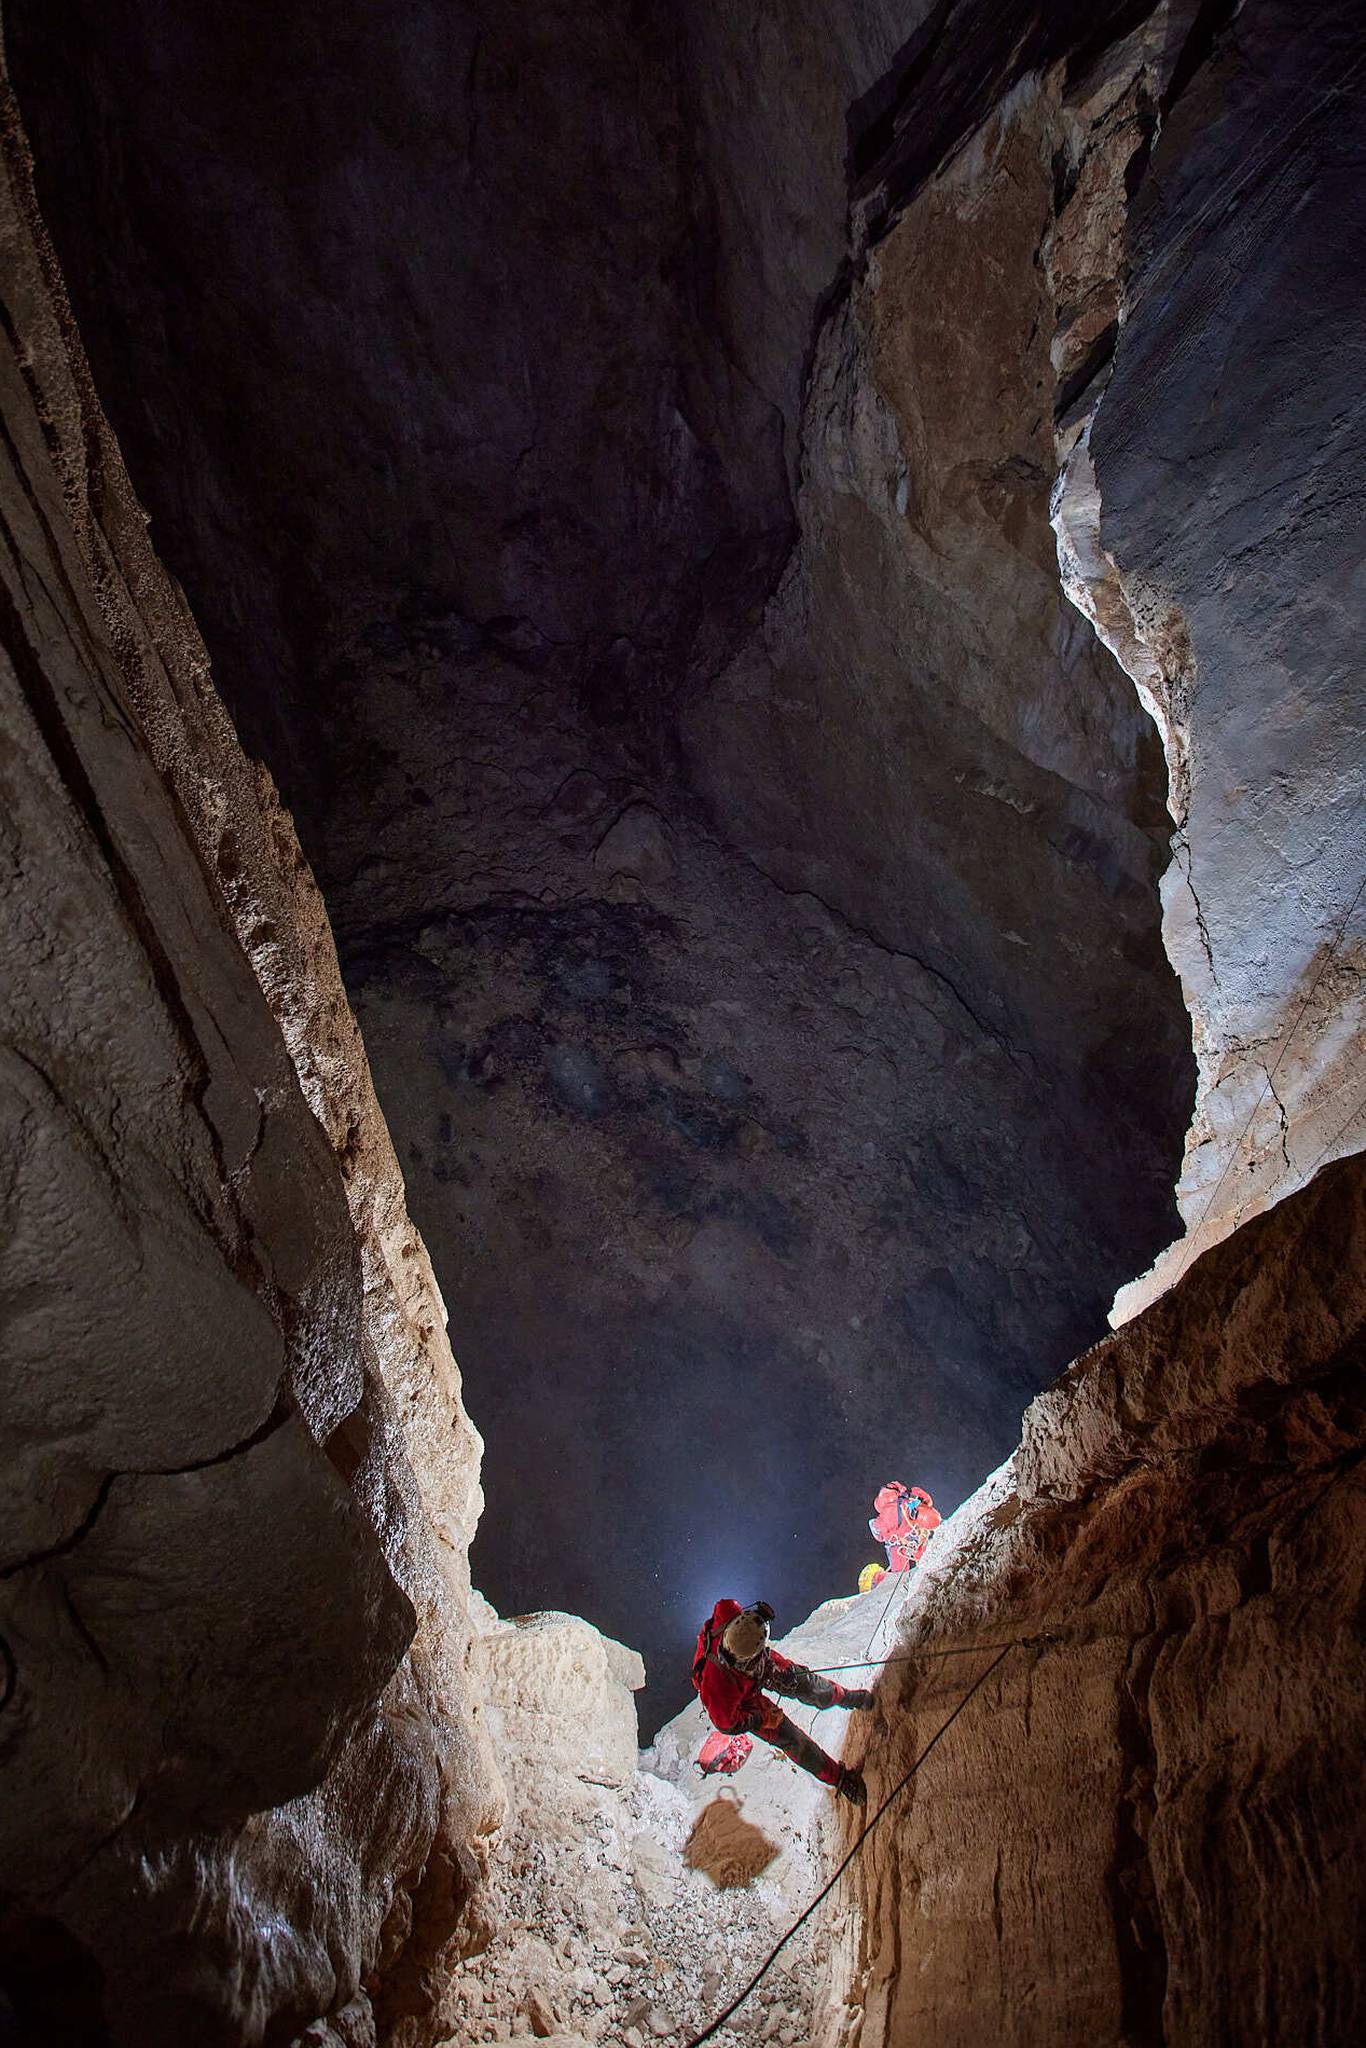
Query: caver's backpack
{"points": [[903, 1521], [722, 1755]]}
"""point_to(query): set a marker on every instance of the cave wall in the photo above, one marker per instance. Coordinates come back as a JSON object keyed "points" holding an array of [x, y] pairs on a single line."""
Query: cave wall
{"points": [[690, 872], [240, 1773], [772, 949], [1146, 1827], [1210, 519], [925, 739]]}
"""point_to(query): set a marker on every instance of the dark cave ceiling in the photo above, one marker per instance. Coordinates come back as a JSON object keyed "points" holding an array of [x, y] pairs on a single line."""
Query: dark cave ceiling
{"points": [[742, 860]]}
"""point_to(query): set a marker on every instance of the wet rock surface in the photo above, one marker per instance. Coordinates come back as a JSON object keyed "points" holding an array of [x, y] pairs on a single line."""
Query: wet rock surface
{"points": [[754, 936]]}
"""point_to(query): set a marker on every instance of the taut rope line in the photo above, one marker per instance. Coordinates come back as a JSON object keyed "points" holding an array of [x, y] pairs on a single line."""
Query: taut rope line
{"points": [[715, 2025]]}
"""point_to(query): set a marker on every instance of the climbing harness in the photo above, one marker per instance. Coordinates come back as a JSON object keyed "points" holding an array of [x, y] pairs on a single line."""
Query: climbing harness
{"points": [[715, 2025]]}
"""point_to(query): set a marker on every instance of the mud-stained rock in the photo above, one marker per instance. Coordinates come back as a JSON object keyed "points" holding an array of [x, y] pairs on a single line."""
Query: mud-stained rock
{"points": [[727, 1847]]}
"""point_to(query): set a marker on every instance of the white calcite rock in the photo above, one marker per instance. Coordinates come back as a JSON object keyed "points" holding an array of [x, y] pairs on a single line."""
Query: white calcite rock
{"points": [[561, 1695], [604, 1926], [1207, 527]]}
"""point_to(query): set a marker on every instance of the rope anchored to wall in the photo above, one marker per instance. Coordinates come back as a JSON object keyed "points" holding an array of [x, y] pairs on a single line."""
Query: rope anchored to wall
{"points": [[929, 1656], [721, 2018]]}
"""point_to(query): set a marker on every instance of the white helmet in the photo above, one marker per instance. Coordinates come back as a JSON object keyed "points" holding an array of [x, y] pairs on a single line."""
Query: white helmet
{"points": [[746, 1638]]}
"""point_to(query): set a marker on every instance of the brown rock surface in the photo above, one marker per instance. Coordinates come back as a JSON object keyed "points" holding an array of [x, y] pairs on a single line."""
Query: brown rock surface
{"points": [[1147, 1827], [232, 1594]]}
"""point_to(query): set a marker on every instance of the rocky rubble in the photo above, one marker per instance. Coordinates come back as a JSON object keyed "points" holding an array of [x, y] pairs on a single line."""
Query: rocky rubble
{"points": [[1145, 1784], [601, 1930]]}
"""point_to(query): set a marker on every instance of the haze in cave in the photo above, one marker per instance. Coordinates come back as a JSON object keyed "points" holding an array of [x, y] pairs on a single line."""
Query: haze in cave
{"points": [[683, 833]]}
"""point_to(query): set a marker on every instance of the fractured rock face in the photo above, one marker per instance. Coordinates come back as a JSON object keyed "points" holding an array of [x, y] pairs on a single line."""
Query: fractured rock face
{"points": [[563, 1698], [629, 1900], [1121, 1833], [1209, 520]]}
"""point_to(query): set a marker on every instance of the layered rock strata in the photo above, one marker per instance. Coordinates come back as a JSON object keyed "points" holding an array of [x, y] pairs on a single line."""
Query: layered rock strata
{"points": [[242, 1787], [1145, 1827]]}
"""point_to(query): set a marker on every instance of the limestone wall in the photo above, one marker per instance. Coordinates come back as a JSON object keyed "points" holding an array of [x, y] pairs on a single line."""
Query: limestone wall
{"points": [[631, 1897], [1209, 516], [239, 1482], [760, 965], [1146, 1828], [249, 1789]]}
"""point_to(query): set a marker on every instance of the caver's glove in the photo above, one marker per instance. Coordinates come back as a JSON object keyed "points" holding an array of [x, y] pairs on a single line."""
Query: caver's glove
{"points": [[857, 1696]]}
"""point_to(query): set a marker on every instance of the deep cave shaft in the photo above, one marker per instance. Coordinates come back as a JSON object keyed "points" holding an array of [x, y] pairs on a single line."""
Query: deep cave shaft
{"points": [[800, 570]]}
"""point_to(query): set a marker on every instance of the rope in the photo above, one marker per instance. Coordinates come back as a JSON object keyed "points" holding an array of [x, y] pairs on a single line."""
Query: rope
{"points": [[826, 1889], [1272, 1072], [924, 1656], [1231, 190], [899, 1580], [1336, 1139], [895, 1577]]}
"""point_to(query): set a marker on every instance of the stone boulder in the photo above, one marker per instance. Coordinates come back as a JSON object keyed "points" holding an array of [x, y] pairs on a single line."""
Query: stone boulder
{"points": [[560, 1698]]}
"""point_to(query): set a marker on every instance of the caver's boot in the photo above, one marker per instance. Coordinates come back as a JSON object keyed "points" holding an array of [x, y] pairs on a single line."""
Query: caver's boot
{"points": [[850, 1786]]}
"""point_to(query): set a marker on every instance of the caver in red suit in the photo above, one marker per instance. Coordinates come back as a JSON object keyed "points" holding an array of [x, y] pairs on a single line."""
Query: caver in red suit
{"points": [[903, 1518], [731, 1668]]}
